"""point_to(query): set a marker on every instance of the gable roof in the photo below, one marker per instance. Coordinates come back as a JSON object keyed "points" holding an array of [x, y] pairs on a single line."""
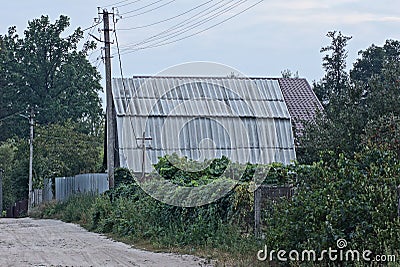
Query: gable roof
{"points": [[246, 119], [302, 103]]}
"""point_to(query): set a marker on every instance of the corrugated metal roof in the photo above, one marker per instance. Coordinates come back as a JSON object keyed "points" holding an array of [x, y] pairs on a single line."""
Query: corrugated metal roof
{"points": [[246, 120]]}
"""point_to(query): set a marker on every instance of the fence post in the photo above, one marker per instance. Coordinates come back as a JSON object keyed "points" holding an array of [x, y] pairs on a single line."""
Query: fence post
{"points": [[257, 211]]}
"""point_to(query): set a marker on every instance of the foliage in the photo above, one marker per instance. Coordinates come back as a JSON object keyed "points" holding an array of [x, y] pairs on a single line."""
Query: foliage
{"points": [[287, 73], [7, 159], [59, 150], [383, 134], [374, 60], [16, 175], [225, 225], [336, 197], [62, 150], [134, 214], [72, 210], [187, 172], [335, 81], [354, 199], [372, 90], [46, 71], [123, 176]]}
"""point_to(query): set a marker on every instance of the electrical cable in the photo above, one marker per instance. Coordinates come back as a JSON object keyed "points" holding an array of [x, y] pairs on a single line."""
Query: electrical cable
{"points": [[128, 4], [165, 20], [94, 25], [143, 7], [120, 2], [148, 11], [68, 139], [178, 25], [196, 33], [123, 83], [185, 29], [11, 115]]}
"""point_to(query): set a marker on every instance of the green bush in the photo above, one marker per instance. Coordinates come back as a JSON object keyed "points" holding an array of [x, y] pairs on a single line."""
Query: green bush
{"points": [[75, 209], [354, 199]]}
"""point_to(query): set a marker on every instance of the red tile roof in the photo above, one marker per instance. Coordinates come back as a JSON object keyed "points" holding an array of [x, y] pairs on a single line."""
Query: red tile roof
{"points": [[300, 99]]}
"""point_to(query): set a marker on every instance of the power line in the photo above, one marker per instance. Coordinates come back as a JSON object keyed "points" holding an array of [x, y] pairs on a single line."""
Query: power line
{"points": [[182, 23], [133, 2], [91, 27], [196, 33], [148, 11], [185, 28], [62, 138], [120, 2], [143, 7], [179, 25], [122, 77], [196, 24], [11, 115], [165, 20]]}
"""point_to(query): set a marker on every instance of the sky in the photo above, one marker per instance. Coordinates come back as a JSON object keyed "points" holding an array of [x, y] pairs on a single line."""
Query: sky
{"points": [[263, 41]]}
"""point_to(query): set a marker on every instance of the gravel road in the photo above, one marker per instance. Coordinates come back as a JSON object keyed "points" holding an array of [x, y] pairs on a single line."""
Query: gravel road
{"points": [[29, 242]]}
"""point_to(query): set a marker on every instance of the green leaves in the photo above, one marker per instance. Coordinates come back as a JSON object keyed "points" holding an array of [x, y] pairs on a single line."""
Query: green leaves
{"points": [[45, 70], [355, 199], [351, 102]]}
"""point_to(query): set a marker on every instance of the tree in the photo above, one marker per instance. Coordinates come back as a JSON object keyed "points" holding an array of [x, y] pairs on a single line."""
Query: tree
{"points": [[339, 197], [372, 90], [59, 150], [287, 73], [7, 159], [335, 81], [374, 60], [378, 72], [339, 126], [48, 72]]}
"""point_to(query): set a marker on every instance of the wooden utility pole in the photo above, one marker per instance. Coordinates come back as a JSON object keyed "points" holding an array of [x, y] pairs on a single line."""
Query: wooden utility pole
{"points": [[110, 110], [31, 125], [31, 119]]}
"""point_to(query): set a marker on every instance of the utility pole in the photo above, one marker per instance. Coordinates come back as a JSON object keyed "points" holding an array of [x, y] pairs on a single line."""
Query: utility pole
{"points": [[31, 119], [110, 109], [144, 139], [1, 192], [31, 125]]}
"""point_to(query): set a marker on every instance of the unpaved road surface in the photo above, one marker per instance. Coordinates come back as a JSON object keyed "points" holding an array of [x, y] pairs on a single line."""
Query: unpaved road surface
{"points": [[29, 242]]}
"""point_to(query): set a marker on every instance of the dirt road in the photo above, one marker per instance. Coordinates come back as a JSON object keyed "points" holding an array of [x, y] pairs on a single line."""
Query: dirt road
{"points": [[28, 242]]}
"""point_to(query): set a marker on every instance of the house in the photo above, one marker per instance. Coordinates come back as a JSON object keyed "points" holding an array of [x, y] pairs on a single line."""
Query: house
{"points": [[245, 119]]}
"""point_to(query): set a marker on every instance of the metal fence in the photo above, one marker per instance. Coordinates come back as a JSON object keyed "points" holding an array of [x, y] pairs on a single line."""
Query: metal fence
{"points": [[82, 183], [18, 209], [265, 194]]}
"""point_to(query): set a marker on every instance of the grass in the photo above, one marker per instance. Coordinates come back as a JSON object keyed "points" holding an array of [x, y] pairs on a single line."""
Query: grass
{"points": [[225, 247], [216, 257]]}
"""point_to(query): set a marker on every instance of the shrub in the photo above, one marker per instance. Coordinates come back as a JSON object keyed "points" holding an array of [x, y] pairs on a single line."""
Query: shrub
{"points": [[354, 199]]}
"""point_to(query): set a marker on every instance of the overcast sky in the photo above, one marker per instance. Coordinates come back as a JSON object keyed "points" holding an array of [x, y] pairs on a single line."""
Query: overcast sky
{"points": [[271, 37]]}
